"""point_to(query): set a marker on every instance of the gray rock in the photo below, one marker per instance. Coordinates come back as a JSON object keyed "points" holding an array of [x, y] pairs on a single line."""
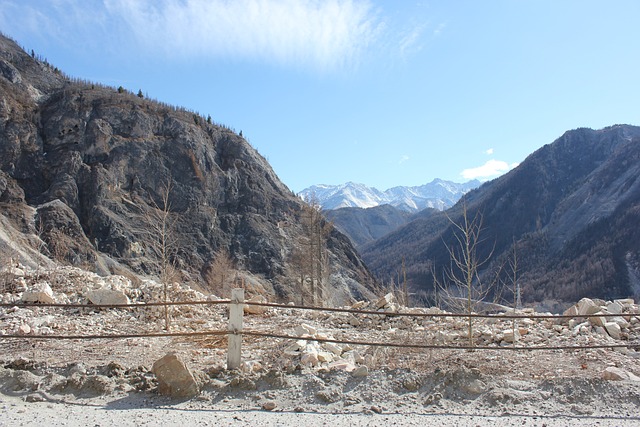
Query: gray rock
{"points": [[174, 378]]}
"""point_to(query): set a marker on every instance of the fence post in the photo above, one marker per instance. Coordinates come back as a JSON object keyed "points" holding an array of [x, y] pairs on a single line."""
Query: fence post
{"points": [[235, 328]]}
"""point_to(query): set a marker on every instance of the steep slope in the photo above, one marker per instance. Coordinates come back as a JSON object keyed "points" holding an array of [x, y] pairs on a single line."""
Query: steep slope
{"points": [[570, 211], [438, 194], [87, 171]]}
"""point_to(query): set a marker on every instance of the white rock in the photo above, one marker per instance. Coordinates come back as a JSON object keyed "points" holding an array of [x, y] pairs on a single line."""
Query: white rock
{"points": [[613, 329], [361, 371], [105, 296], [305, 329], [325, 357], [342, 365], [616, 374], [334, 348], [24, 329], [587, 306], [385, 301], [39, 293], [614, 307], [309, 359]]}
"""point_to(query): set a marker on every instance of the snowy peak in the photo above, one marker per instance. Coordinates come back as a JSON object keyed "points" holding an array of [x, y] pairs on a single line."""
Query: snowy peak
{"points": [[438, 194]]}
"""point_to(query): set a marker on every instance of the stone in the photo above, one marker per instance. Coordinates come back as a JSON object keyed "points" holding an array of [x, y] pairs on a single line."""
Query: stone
{"points": [[587, 306], [325, 357], [361, 371], [105, 296], [342, 365], [614, 308], [309, 359], [358, 305], [385, 301], [305, 329], [509, 336], [269, 405], [598, 320], [174, 378], [24, 329], [616, 374], [334, 348], [255, 309], [40, 293], [613, 329]]}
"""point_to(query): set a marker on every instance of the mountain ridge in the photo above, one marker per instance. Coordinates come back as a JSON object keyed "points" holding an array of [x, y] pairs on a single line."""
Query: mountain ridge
{"points": [[438, 194]]}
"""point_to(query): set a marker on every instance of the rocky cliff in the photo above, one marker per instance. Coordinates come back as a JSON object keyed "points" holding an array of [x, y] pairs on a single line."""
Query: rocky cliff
{"points": [[99, 177]]}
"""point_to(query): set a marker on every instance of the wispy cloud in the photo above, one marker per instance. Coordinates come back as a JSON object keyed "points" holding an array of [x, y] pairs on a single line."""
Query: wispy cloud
{"points": [[403, 159], [489, 152], [491, 169], [325, 35]]}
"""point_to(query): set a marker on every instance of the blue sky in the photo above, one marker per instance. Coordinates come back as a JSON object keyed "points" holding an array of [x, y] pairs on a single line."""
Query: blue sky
{"points": [[384, 93]]}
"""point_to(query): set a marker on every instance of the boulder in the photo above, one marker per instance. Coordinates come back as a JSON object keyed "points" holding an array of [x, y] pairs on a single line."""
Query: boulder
{"points": [[174, 378], [613, 329], [40, 293], [386, 300], [587, 306], [105, 296], [255, 309], [305, 329], [616, 374]]}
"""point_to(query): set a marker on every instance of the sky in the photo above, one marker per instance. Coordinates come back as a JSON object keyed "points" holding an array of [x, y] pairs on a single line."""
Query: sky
{"points": [[379, 92]]}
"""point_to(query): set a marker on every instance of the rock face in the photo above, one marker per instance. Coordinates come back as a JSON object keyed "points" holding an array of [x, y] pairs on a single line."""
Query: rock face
{"points": [[105, 170]]}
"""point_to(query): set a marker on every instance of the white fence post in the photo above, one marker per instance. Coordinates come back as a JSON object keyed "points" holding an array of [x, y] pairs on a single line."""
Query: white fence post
{"points": [[236, 308]]}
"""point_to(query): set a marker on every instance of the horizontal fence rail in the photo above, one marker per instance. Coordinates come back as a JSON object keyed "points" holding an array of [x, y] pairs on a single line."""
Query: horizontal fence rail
{"points": [[235, 330]]}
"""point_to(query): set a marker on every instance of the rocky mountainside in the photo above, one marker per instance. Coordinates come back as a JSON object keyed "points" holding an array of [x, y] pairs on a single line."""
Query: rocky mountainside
{"points": [[99, 177], [437, 194], [570, 213]]}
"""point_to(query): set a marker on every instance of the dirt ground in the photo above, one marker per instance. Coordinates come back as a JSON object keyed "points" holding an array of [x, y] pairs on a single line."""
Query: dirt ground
{"points": [[281, 382]]}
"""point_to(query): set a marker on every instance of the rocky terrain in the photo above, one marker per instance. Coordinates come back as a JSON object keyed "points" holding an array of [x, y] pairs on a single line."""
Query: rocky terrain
{"points": [[306, 374]]}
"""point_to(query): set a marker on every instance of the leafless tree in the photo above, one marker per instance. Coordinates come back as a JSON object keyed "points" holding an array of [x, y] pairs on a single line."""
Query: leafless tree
{"points": [[461, 286]]}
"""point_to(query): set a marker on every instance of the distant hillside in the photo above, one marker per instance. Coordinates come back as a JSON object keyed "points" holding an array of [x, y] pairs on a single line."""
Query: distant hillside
{"points": [[366, 225], [570, 211], [438, 194], [88, 171]]}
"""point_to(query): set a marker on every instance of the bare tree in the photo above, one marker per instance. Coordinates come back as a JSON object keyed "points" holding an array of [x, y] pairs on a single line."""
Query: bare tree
{"points": [[461, 286], [162, 239]]}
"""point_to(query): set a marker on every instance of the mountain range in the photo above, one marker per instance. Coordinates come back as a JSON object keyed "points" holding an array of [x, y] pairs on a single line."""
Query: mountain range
{"points": [[438, 194], [569, 214]]}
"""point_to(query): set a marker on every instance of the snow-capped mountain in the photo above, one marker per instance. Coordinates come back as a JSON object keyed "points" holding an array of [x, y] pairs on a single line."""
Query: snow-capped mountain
{"points": [[438, 194]]}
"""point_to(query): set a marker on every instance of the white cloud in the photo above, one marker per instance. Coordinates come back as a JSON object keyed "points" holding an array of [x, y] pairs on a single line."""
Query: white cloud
{"points": [[492, 168], [325, 35], [489, 152], [403, 159]]}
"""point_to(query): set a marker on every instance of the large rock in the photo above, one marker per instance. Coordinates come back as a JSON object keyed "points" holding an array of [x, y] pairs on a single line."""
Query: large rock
{"points": [[174, 378], [40, 293], [255, 309], [616, 374], [106, 296]]}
